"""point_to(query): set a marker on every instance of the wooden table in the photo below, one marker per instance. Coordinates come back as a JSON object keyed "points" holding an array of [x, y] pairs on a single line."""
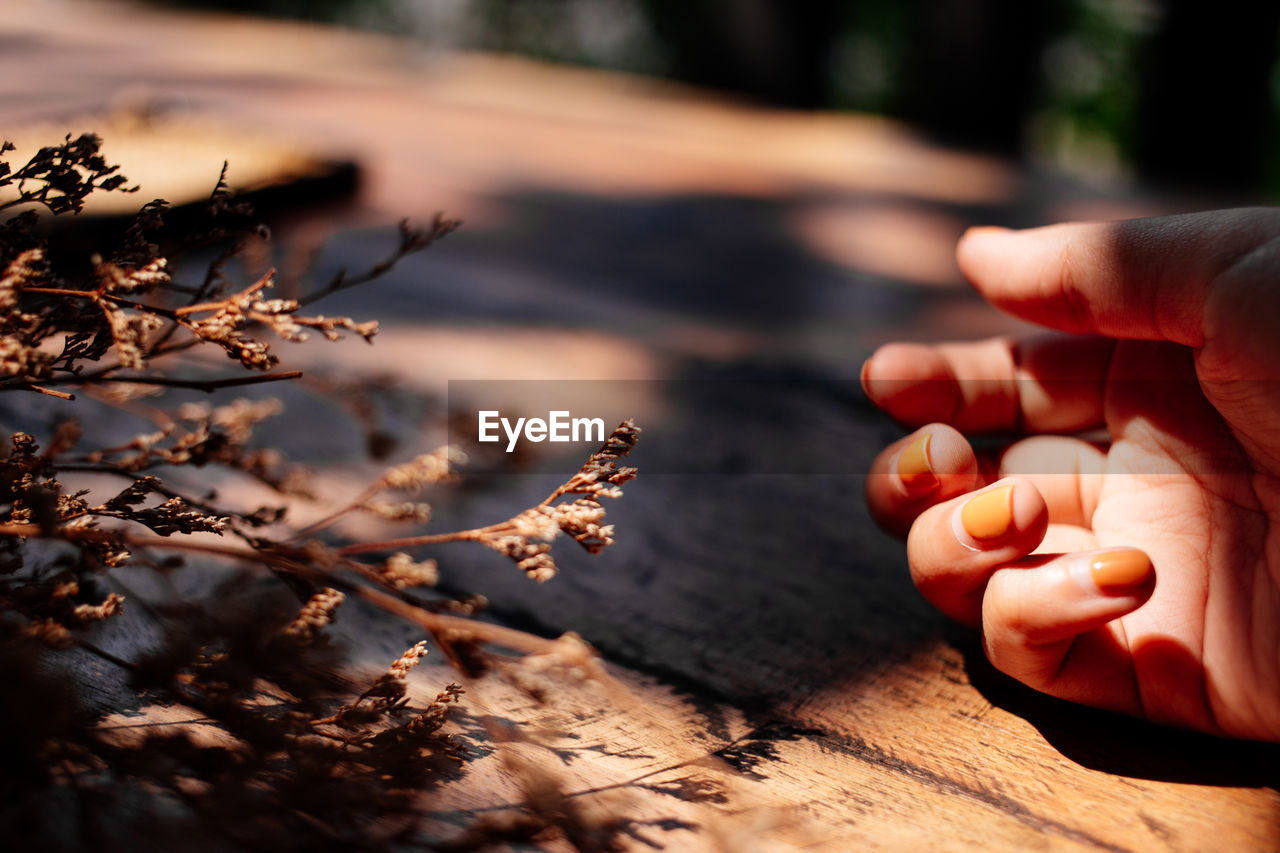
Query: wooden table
{"points": [[786, 686]]}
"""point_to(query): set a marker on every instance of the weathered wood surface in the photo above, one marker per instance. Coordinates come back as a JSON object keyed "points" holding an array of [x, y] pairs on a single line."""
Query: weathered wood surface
{"points": [[787, 688]]}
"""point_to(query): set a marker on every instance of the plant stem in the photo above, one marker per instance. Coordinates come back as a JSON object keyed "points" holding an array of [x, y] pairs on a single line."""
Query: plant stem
{"points": [[208, 385], [437, 624]]}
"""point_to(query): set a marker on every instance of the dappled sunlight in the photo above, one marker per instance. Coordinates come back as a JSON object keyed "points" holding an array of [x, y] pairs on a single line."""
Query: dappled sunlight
{"points": [[457, 131], [895, 241], [427, 357], [178, 157], [956, 319], [634, 136]]}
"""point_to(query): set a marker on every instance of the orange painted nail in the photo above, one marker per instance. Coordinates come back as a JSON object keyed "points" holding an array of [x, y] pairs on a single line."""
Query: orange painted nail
{"points": [[989, 515], [1120, 569], [914, 467]]}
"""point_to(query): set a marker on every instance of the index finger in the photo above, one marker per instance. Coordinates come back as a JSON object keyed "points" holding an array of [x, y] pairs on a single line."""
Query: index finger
{"points": [[1141, 278]]}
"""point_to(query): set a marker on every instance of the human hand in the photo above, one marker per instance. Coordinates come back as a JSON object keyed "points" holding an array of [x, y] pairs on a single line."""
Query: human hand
{"points": [[1175, 351]]}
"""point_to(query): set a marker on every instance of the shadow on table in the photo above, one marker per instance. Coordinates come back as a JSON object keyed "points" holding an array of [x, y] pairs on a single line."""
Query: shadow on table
{"points": [[1121, 745]]}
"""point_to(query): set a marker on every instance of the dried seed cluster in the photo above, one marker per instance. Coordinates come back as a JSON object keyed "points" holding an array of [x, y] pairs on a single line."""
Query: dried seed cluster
{"points": [[526, 537]]}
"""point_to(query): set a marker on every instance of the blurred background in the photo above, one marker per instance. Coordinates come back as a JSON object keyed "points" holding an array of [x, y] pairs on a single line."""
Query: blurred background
{"points": [[1174, 91]]}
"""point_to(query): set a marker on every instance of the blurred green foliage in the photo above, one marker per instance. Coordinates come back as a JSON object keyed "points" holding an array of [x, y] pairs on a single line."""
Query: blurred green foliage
{"points": [[1088, 106]]}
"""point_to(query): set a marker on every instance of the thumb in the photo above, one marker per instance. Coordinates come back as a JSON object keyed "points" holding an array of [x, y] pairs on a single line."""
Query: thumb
{"points": [[1045, 623], [1141, 278]]}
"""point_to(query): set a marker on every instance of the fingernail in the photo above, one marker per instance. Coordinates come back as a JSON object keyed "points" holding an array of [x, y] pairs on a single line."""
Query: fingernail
{"points": [[1122, 568], [914, 467], [989, 515]]}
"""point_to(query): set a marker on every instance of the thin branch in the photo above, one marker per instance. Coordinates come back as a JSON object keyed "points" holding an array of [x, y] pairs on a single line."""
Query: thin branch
{"points": [[411, 241], [294, 562], [158, 310], [105, 372], [196, 293], [337, 515], [218, 305], [98, 296], [472, 535], [161, 489], [31, 386], [475, 534], [62, 291], [206, 385]]}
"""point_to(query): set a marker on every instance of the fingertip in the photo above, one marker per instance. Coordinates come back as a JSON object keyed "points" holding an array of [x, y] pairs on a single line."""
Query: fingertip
{"points": [[945, 454], [913, 383], [1115, 572], [914, 467], [1009, 511], [1033, 611], [955, 546], [977, 245], [933, 464]]}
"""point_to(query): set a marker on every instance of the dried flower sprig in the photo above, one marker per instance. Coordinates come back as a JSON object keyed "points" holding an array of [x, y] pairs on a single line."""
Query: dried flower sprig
{"points": [[308, 745], [49, 340], [314, 617], [227, 319], [413, 476], [61, 177], [526, 537], [389, 689]]}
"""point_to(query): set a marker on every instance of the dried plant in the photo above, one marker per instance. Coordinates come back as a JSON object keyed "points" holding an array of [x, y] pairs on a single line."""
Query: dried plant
{"points": [[302, 755]]}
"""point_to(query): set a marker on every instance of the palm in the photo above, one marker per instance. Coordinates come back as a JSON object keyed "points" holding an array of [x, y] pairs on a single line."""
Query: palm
{"points": [[1183, 487]]}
